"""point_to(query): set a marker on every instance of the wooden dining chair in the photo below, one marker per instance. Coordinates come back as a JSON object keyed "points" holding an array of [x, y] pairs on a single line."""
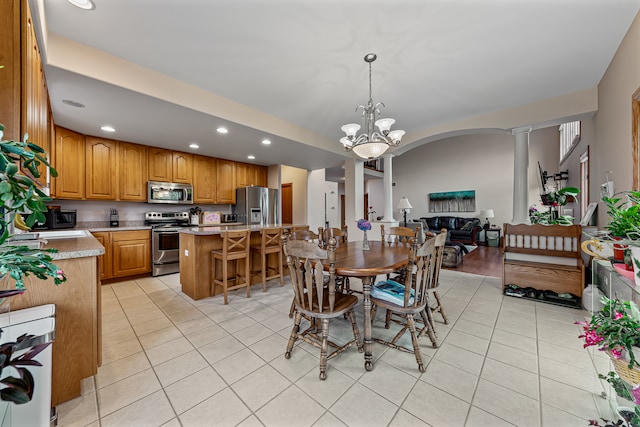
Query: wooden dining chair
{"points": [[440, 241], [340, 234], [303, 235], [408, 299], [270, 243], [235, 247], [398, 234], [318, 302], [432, 290]]}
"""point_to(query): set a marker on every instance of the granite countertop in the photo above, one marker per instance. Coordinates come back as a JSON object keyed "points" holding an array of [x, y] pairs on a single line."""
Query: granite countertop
{"points": [[78, 246], [208, 230], [104, 226]]}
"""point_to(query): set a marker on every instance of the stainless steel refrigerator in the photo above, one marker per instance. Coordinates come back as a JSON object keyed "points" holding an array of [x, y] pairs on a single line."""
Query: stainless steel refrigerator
{"points": [[257, 205]]}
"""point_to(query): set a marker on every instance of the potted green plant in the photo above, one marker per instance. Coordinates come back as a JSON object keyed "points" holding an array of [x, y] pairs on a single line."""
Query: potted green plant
{"points": [[624, 219], [616, 330], [19, 193], [624, 215], [554, 199]]}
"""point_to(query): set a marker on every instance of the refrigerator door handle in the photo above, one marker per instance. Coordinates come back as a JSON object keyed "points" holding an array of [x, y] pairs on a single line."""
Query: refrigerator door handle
{"points": [[264, 202]]}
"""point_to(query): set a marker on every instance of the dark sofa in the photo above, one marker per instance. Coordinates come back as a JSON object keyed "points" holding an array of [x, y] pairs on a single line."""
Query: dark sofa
{"points": [[464, 230]]}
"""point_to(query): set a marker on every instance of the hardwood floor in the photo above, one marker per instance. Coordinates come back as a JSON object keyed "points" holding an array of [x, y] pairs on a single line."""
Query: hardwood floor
{"points": [[484, 260]]}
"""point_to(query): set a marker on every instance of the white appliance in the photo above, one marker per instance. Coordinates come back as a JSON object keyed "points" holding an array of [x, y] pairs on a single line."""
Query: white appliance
{"points": [[38, 321]]}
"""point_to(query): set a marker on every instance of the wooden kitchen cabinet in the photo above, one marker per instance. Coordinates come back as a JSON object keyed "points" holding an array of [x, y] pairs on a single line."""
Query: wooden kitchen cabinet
{"points": [[242, 175], [182, 167], [104, 261], [70, 164], [132, 172], [170, 166], [131, 252], [160, 164], [126, 253], [226, 179], [35, 105], [204, 179], [261, 176], [248, 175], [100, 158]]}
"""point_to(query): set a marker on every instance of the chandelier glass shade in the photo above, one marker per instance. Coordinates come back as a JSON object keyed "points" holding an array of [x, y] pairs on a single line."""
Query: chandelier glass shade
{"points": [[372, 143]]}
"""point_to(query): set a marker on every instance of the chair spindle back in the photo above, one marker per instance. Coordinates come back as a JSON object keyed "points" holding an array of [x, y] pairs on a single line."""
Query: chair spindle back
{"points": [[421, 264], [306, 261]]}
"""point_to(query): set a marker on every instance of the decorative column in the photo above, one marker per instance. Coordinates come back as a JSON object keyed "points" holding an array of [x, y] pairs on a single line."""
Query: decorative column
{"points": [[353, 194], [520, 176], [388, 189]]}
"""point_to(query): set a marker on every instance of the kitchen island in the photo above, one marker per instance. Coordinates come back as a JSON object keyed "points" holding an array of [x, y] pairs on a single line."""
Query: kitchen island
{"points": [[196, 244], [77, 348]]}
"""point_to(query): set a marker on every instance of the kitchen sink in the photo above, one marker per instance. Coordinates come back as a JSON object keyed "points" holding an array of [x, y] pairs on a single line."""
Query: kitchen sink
{"points": [[62, 234]]}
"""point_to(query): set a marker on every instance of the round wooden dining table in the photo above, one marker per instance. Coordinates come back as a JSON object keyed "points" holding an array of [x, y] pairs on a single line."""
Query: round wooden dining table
{"points": [[381, 258]]}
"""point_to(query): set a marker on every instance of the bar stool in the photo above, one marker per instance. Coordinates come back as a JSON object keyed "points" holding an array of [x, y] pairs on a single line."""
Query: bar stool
{"points": [[235, 247], [270, 243]]}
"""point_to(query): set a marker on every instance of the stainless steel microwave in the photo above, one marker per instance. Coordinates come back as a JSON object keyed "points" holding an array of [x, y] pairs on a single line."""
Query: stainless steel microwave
{"points": [[170, 192]]}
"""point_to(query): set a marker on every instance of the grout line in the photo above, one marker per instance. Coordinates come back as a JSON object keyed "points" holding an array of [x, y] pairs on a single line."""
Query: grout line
{"points": [[458, 278]]}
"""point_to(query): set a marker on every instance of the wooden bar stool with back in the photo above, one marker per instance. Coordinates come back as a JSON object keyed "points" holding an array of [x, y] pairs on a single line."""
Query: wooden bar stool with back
{"points": [[270, 243], [235, 247]]}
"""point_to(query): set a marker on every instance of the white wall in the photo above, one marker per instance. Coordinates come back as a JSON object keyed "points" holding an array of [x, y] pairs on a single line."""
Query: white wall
{"points": [[298, 178], [323, 201], [483, 163], [375, 189], [612, 122], [273, 176]]}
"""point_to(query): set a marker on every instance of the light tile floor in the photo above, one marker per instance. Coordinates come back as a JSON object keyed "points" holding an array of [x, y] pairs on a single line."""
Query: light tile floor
{"points": [[172, 361]]}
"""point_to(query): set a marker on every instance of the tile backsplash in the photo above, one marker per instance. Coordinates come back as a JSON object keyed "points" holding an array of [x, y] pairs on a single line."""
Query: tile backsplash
{"points": [[98, 210]]}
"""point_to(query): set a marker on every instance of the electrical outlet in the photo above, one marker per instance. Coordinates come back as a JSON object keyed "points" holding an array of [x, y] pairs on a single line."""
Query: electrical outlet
{"points": [[186, 252]]}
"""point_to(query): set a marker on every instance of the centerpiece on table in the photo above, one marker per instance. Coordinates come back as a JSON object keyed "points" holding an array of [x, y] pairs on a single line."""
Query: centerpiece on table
{"points": [[616, 330], [364, 225]]}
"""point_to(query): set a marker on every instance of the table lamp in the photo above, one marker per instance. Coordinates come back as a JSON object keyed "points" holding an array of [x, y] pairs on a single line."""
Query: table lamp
{"points": [[487, 213], [404, 205]]}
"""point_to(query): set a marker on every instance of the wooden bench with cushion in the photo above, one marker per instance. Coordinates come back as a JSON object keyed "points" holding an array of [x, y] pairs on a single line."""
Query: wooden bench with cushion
{"points": [[544, 257]]}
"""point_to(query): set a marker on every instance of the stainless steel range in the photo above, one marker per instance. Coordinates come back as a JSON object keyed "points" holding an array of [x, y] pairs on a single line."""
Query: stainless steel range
{"points": [[165, 240]]}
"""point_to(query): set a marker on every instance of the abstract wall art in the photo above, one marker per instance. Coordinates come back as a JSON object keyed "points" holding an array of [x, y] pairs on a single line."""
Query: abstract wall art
{"points": [[453, 201]]}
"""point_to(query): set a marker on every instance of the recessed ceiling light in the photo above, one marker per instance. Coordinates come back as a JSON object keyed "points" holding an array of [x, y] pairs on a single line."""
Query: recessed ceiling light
{"points": [[108, 128], [222, 130], [266, 142], [194, 145], [83, 4], [73, 103], [251, 157]]}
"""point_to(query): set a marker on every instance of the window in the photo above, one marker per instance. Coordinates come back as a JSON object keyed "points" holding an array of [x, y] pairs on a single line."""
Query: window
{"points": [[569, 138]]}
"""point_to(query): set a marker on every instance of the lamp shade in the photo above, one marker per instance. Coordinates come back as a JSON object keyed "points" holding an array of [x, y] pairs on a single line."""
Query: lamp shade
{"points": [[404, 204], [370, 150], [487, 213]]}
